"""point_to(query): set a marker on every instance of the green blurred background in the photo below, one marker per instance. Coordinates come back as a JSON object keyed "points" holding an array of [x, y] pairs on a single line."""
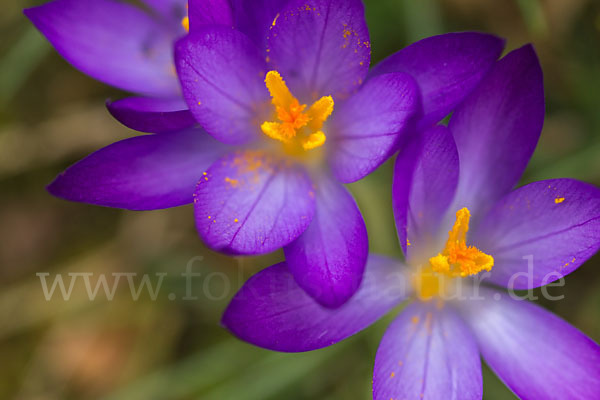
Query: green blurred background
{"points": [[51, 115]]}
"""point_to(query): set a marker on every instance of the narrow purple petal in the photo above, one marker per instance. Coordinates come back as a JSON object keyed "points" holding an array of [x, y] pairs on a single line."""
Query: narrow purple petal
{"points": [[366, 128], [446, 67], [255, 17], [557, 222], [222, 73], [153, 115], [535, 353], [425, 179], [141, 173], [328, 259], [273, 312], [497, 128], [113, 42], [320, 47], [252, 203], [427, 353], [209, 12]]}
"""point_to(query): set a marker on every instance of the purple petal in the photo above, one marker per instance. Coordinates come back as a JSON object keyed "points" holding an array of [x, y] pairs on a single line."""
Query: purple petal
{"points": [[557, 222], [328, 259], [320, 47], [425, 179], [535, 353], [222, 74], [252, 203], [141, 173], [427, 353], [171, 11], [273, 312], [146, 114], [497, 128], [255, 17], [209, 12], [366, 128], [446, 67], [113, 42]]}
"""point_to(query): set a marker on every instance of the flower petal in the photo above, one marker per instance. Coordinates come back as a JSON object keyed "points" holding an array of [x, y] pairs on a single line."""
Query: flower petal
{"points": [[320, 47], [446, 67], [209, 12], [113, 42], [273, 312], [222, 73], [141, 173], [427, 353], [172, 11], [497, 128], [154, 115], [255, 17], [535, 353], [251, 203], [328, 259], [425, 179], [366, 129], [557, 222]]}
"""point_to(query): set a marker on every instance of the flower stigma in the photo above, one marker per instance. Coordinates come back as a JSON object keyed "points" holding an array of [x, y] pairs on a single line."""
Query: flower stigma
{"points": [[455, 260], [297, 127]]}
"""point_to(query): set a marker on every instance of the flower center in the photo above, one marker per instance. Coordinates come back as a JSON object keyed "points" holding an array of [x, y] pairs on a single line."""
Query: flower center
{"points": [[297, 127], [455, 260]]}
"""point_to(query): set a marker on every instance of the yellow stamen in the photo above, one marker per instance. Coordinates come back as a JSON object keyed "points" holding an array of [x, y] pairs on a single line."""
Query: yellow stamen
{"points": [[296, 126], [320, 111], [458, 259], [313, 141], [282, 97]]}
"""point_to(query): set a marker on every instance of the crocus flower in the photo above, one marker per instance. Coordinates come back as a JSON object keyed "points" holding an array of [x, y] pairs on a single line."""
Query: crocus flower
{"points": [[459, 222], [126, 47], [284, 92]]}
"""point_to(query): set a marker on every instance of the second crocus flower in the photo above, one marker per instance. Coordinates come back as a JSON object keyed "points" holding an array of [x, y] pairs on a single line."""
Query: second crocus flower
{"points": [[459, 223]]}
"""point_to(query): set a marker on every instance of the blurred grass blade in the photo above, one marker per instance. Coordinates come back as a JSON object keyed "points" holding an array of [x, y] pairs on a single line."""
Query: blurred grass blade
{"points": [[583, 165], [421, 18], [533, 14], [194, 374], [229, 370], [20, 61], [273, 375]]}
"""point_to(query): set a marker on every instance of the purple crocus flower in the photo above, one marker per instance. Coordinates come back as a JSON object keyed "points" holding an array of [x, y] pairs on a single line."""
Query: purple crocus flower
{"points": [[126, 47], [292, 112], [459, 222]]}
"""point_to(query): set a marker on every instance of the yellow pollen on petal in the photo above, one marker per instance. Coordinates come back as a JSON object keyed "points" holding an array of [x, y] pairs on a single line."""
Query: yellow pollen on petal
{"points": [[295, 126], [559, 200], [233, 182], [185, 22]]}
